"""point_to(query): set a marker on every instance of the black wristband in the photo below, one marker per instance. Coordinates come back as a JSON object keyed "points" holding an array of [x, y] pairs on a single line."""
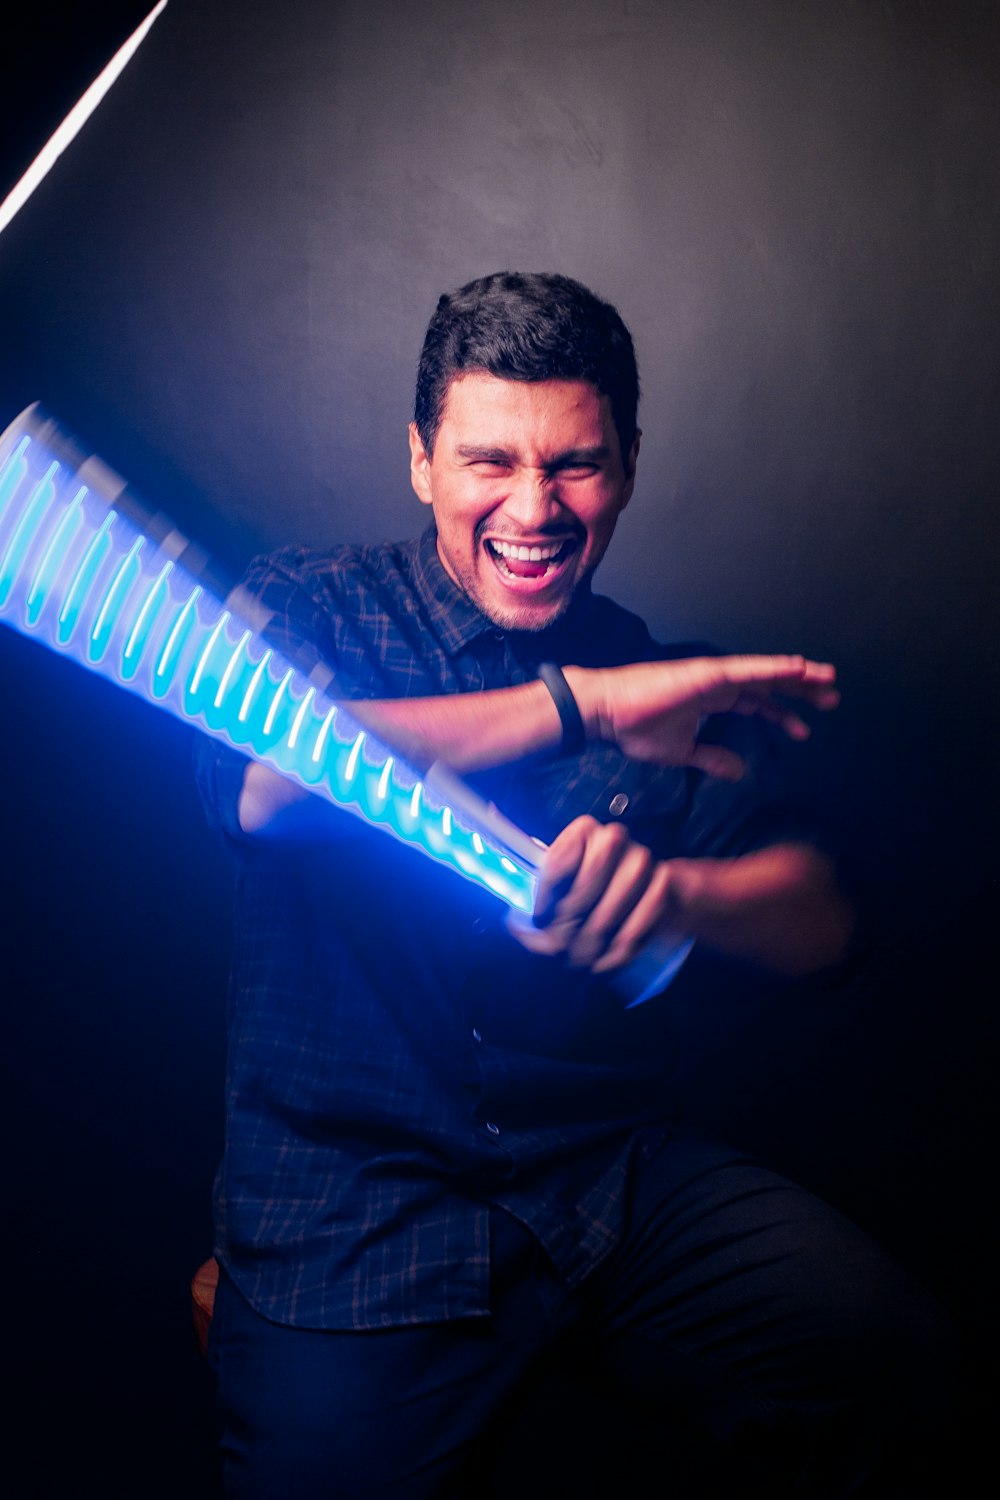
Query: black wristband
{"points": [[574, 736]]}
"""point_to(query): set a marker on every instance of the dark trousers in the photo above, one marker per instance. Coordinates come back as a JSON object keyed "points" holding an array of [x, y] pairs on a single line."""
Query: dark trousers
{"points": [[744, 1338]]}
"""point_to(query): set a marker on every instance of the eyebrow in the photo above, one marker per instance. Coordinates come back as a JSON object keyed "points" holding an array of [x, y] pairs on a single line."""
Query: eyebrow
{"points": [[507, 455]]}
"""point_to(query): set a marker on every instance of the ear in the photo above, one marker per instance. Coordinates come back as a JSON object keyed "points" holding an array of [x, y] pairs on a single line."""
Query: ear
{"points": [[630, 470], [420, 467]]}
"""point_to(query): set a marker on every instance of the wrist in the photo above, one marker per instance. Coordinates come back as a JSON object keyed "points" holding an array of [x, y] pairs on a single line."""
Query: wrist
{"points": [[688, 894]]}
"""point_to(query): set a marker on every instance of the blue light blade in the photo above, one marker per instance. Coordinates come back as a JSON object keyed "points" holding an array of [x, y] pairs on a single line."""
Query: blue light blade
{"points": [[48, 567], [85, 578], [82, 571], [38, 502]]}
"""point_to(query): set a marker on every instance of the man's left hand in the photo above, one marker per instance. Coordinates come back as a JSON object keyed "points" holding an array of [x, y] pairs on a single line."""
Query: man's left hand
{"points": [[601, 897]]}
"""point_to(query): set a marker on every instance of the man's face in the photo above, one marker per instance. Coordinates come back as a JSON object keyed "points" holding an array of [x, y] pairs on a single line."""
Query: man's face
{"points": [[526, 484]]}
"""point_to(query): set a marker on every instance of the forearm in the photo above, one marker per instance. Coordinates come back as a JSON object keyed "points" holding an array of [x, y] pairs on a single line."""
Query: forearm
{"points": [[779, 907], [467, 731], [651, 710]]}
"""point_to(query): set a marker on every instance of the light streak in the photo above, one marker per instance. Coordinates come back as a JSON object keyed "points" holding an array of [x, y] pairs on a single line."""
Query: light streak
{"points": [[74, 121]]}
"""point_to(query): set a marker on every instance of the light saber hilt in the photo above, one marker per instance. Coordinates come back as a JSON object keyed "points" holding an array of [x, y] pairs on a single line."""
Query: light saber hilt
{"points": [[89, 571]]}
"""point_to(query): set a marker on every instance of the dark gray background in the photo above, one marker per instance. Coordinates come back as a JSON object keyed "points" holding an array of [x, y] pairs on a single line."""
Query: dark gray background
{"points": [[222, 287]]}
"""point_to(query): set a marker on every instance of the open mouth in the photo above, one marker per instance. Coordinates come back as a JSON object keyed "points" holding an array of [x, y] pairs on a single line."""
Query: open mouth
{"points": [[536, 560]]}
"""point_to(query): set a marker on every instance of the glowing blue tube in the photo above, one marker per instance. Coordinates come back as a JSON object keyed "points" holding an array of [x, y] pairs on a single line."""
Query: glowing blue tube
{"points": [[93, 575], [79, 573]]}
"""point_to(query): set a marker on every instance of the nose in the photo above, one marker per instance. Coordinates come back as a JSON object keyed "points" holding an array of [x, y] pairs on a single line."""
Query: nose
{"points": [[532, 500]]}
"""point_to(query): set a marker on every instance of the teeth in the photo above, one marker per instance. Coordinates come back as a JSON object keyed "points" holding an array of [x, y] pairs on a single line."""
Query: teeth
{"points": [[527, 554]]}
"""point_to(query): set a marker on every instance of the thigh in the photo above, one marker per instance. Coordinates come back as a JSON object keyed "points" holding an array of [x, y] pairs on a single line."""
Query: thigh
{"points": [[744, 1305], [398, 1412], [730, 1261]]}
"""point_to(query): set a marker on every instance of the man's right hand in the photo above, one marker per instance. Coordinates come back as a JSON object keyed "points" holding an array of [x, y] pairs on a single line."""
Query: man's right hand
{"points": [[653, 711]]}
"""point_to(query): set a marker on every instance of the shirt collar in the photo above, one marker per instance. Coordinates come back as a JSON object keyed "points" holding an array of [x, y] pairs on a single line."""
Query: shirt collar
{"points": [[453, 615], [458, 622]]}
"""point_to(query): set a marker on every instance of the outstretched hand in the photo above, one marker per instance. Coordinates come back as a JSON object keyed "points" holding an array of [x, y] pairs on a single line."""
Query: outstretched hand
{"points": [[653, 711]]}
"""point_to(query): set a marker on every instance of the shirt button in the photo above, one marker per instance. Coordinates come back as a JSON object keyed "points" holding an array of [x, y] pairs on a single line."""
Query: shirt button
{"points": [[493, 1129], [477, 1035], [618, 804]]}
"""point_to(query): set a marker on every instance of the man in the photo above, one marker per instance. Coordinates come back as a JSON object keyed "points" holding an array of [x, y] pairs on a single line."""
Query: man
{"points": [[450, 1153]]}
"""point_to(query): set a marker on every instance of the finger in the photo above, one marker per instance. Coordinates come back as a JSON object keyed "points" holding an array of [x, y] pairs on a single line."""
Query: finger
{"points": [[821, 692], [801, 668], [606, 846], [559, 863], [548, 941], [625, 888], [749, 668], [644, 920], [555, 873], [576, 868], [822, 698], [795, 676], [760, 698], [774, 713]]}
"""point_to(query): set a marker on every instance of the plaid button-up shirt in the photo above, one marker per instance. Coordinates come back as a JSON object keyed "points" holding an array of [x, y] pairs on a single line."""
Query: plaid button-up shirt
{"points": [[397, 1063]]}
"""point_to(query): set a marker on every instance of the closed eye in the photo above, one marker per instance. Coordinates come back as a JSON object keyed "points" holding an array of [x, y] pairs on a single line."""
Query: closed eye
{"points": [[576, 471]]}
